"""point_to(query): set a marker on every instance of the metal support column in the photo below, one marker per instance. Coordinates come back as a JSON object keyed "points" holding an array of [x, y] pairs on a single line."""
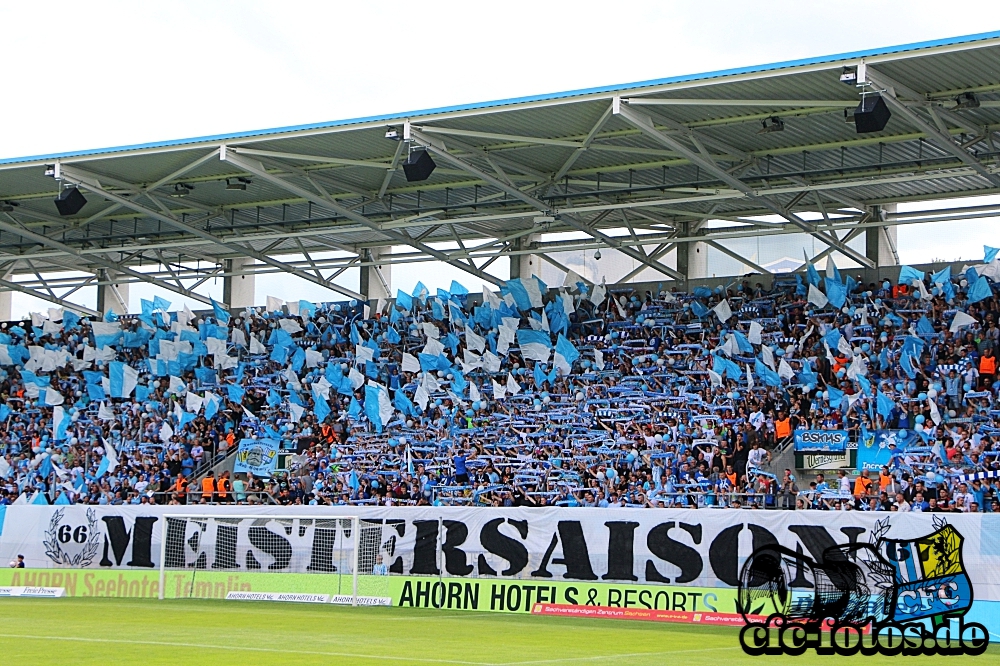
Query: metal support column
{"points": [[376, 278], [239, 291], [112, 295]]}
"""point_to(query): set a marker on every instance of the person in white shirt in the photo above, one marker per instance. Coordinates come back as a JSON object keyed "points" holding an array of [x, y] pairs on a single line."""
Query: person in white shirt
{"points": [[757, 419], [967, 498], [844, 483], [901, 504], [756, 456]]}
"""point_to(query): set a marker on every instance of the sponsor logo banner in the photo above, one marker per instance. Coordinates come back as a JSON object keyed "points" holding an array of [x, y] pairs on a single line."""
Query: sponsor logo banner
{"points": [[604, 612], [279, 596], [821, 441], [44, 592], [361, 601]]}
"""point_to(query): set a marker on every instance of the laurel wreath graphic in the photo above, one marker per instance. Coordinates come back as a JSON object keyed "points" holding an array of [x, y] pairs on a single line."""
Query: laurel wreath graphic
{"points": [[54, 549]]}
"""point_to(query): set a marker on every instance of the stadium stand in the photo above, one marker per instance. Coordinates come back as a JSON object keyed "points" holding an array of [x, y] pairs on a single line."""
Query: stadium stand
{"points": [[573, 396]]}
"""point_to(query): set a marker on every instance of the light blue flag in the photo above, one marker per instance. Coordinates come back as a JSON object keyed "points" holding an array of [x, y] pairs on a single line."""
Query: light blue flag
{"points": [[989, 253], [116, 378], [392, 336], [980, 290], [147, 307], [420, 292], [836, 292], [352, 481], [306, 309], [527, 336], [102, 469], [566, 349], [321, 408], [812, 275], [885, 405], [211, 407], [908, 274], [832, 338], [401, 402], [70, 320], [40, 498], [698, 309], [866, 386], [371, 407], [353, 409], [62, 499], [942, 276], [160, 303], [404, 300], [186, 417], [221, 314], [907, 365], [769, 376], [836, 396], [457, 289], [45, 469], [519, 293], [236, 392], [924, 326]]}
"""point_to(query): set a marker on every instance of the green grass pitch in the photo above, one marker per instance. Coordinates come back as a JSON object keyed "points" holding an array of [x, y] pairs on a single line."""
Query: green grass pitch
{"points": [[84, 631]]}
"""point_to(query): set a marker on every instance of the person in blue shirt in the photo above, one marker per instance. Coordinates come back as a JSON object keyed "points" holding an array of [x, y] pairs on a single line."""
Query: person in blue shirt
{"points": [[461, 471]]}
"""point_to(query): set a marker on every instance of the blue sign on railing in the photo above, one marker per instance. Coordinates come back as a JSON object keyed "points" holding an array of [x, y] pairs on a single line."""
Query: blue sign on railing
{"points": [[820, 441]]}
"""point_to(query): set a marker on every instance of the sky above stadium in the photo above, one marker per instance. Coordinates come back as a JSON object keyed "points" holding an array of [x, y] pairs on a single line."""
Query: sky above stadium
{"points": [[100, 74]]}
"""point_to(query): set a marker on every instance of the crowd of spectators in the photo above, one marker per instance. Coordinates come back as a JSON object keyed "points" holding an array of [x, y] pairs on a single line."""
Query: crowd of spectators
{"points": [[583, 395]]}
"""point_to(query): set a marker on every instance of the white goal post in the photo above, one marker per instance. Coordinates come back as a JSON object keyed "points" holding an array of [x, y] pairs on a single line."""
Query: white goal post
{"points": [[281, 557]]}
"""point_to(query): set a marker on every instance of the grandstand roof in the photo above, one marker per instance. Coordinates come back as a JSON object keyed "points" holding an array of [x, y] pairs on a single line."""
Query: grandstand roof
{"points": [[638, 167]]}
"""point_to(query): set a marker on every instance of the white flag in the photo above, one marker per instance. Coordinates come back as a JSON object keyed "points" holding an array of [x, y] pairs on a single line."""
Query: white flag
{"points": [[109, 451], [597, 294], [410, 363], [754, 336], [599, 359], [723, 311], [474, 395], [256, 347], [193, 402], [749, 378], [961, 320], [785, 371], [512, 386], [715, 378], [296, 411], [166, 432], [274, 304], [491, 362], [817, 297], [106, 412], [499, 390], [473, 341], [768, 355]]}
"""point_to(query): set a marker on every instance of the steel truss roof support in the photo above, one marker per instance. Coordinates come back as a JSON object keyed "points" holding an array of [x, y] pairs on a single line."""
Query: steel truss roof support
{"points": [[701, 158], [438, 148], [92, 183], [94, 259], [940, 138], [325, 201]]}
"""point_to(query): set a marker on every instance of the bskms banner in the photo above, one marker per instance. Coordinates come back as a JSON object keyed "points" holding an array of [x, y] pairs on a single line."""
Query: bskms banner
{"points": [[820, 441]]}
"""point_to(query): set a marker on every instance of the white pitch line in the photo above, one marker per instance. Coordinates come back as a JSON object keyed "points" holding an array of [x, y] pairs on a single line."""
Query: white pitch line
{"points": [[245, 648]]}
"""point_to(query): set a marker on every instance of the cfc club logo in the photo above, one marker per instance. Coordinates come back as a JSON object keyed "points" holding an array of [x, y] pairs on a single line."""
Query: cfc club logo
{"points": [[889, 596]]}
